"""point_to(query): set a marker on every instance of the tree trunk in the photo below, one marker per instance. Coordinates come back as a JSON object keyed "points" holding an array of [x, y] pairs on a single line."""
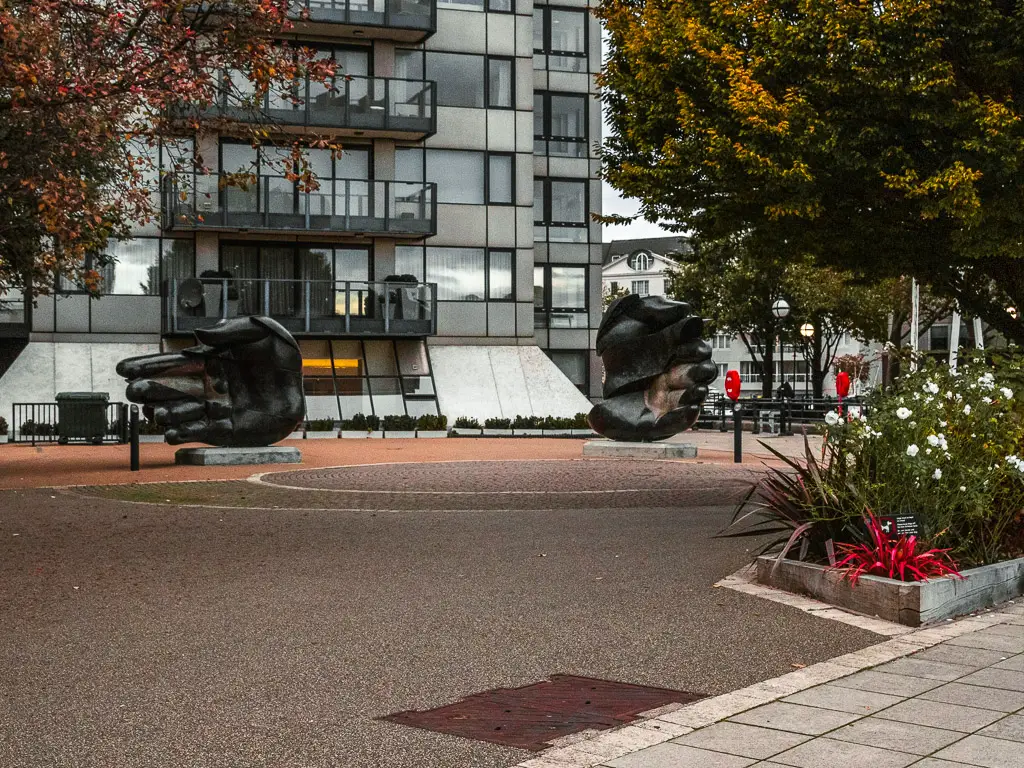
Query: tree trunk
{"points": [[818, 369], [768, 371]]}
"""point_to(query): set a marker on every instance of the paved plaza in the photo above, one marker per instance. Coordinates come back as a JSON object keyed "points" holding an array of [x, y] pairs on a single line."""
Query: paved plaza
{"points": [[235, 620], [953, 697]]}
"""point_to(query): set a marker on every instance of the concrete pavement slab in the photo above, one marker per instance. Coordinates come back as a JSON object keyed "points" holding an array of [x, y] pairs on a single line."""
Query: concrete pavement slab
{"points": [[742, 740], [844, 699], [934, 713], [902, 737], [895, 685], [996, 699], [1010, 728], [679, 756], [795, 718], [842, 754], [983, 751]]}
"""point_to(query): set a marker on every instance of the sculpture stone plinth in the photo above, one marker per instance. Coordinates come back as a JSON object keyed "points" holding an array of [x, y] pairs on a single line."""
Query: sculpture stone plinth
{"points": [[634, 450], [271, 454]]}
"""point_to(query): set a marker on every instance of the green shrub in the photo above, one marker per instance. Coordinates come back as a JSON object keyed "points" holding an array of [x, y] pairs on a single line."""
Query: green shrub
{"points": [[3, 426], [466, 422], [526, 422], [361, 423], [147, 427], [320, 425], [579, 421], [556, 422], [497, 423], [43, 428], [399, 423], [429, 421]]}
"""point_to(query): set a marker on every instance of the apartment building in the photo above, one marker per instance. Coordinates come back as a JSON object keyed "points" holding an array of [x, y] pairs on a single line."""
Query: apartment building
{"points": [[447, 262]]}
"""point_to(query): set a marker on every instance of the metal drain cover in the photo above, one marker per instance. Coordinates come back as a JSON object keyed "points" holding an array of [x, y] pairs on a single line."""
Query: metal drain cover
{"points": [[533, 715]]}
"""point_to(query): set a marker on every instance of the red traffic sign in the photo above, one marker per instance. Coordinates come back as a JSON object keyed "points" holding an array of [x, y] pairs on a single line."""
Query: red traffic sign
{"points": [[843, 383], [732, 385]]}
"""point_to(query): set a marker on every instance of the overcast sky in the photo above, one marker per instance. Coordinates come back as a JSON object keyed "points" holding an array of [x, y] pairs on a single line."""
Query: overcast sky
{"points": [[613, 202]]}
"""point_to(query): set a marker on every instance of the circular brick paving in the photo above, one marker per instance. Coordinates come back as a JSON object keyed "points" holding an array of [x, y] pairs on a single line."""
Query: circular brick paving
{"points": [[554, 483]]}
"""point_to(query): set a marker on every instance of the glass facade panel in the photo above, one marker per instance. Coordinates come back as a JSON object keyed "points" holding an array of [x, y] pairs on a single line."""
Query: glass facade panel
{"points": [[500, 276], [458, 272], [500, 83], [574, 364], [459, 175], [569, 287], [133, 269], [409, 261], [380, 358], [459, 78], [412, 358], [387, 396], [568, 202], [499, 180]]}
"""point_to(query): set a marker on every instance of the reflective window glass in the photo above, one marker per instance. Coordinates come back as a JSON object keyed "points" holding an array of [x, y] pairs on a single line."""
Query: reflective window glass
{"points": [[499, 286], [459, 78], [500, 83], [499, 183], [458, 272], [459, 175]]}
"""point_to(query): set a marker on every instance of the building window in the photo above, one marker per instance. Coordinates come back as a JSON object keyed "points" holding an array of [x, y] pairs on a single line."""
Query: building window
{"points": [[500, 6], [459, 78], [344, 182], [560, 210], [500, 82], [139, 266], [574, 364], [500, 178], [459, 175], [641, 287], [721, 341], [461, 274], [461, 5], [272, 278], [560, 296], [938, 338], [500, 275], [639, 261], [560, 124], [560, 39]]}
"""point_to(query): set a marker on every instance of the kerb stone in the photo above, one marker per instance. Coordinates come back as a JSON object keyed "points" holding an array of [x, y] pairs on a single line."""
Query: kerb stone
{"points": [[271, 454], [625, 450]]}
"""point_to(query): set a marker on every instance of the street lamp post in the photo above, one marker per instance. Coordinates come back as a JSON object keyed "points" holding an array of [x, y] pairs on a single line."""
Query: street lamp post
{"points": [[807, 331], [781, 311]]}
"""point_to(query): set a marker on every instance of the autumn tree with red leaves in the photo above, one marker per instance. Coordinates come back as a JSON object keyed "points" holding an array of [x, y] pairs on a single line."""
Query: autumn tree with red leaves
{"points": [[88, 86]]}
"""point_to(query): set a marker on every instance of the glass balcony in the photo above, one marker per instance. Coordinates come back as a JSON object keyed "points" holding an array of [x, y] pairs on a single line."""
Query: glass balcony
{"points": [[406, 20], [314, 307], [274, 203], [384, 106], [13, 315]]}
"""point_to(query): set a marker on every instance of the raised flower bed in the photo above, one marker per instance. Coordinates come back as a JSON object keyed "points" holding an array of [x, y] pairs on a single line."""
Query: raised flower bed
{"points": [[914, 511]]}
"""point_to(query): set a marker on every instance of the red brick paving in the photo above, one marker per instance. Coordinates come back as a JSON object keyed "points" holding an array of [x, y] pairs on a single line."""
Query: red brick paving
{"points": [[26, 466]]}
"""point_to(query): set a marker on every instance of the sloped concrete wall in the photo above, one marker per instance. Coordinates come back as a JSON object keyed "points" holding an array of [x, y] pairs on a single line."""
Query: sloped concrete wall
{"points": [[45, 368], [502, 381]]}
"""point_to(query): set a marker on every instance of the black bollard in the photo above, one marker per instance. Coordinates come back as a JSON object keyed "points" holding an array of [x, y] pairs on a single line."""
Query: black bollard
{"points": [[135, 438], [737, 419]]}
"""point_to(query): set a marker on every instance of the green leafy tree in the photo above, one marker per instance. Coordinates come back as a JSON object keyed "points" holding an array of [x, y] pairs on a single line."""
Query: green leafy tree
{"points": [[733, 284], [885, 138]]}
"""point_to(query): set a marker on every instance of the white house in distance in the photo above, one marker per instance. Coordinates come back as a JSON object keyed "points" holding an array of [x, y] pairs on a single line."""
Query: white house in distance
{"points": [[639, 266]]}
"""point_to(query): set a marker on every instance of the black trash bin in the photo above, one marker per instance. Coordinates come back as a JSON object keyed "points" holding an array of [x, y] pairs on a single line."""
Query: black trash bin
{"points": [[82, 415]]}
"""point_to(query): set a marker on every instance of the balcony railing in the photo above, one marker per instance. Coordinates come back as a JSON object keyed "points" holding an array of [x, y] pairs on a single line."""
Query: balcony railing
{"points": [[274, 203], [412, 20], [317, 307], [13, 314], [399, 108]]}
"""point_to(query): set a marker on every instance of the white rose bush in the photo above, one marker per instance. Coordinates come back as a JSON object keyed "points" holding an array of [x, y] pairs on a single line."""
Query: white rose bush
{"points": [[945, 445], [955, 460]]}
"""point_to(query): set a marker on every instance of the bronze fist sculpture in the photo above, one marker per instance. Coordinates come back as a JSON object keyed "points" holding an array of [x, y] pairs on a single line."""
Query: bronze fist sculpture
{"points": [[240, 386], [657, 369]]}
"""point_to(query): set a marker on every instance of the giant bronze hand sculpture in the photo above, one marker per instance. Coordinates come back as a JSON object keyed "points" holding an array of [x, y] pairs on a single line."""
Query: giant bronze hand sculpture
{"points": [[240, 386], [657, 369]]}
